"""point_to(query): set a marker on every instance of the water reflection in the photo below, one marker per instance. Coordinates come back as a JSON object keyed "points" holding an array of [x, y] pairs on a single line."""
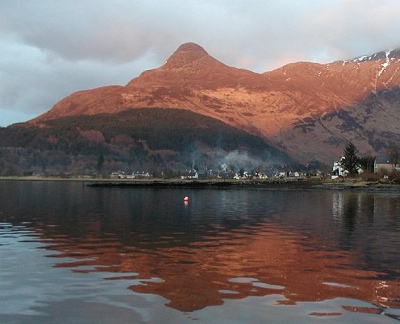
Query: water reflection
{"points": [[205, 272], [303, 246]]}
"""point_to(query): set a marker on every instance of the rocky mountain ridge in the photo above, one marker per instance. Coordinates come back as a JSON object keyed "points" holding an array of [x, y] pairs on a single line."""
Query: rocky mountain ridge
{"points": [[308, 110]]}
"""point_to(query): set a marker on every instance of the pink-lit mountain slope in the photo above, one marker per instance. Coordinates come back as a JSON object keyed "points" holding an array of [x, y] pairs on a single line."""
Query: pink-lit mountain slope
{"points": [[308, 110]]}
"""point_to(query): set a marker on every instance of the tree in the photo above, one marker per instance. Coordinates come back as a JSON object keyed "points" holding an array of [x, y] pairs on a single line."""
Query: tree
{"points": [[394, 153], [350, 161], [367, 163], [100, 163]]}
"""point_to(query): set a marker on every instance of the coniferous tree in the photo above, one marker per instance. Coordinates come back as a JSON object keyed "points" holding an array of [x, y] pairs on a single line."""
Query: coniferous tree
{"points": [[350, 161]]}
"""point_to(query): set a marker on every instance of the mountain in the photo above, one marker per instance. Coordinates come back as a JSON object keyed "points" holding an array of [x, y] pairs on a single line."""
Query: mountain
{"points": [[308, 110]]}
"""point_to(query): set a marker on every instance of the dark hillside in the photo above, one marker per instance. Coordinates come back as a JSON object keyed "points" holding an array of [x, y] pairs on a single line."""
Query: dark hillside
{"points": [[150, 139]]}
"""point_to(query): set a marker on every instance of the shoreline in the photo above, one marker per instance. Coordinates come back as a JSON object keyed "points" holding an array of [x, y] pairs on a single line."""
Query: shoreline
{"points": [[286, 183]]}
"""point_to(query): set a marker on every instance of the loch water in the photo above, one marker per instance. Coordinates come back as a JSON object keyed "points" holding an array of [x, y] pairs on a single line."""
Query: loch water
{"points": [[70, 253]]}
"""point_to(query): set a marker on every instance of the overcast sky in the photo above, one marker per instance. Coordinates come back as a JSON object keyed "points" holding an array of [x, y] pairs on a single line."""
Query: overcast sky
{"points": [[50, 48]]}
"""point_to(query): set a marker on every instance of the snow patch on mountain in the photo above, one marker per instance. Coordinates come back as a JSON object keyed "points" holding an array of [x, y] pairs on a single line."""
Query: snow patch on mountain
{"points": [[386, 64]]}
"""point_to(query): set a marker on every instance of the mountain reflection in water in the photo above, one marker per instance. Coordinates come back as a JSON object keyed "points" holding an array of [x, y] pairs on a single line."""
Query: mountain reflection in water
{"points": [[223, 244]]}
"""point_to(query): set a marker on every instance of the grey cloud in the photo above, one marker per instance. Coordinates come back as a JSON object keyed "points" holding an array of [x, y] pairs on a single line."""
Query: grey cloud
{"points": [[33, 81], [53, 48]]}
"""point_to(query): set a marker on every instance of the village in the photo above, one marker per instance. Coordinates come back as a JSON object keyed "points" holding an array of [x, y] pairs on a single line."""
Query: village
{"points": [[382, 167]]}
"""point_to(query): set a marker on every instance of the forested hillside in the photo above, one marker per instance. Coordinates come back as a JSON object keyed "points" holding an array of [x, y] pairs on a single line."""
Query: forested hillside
{"points": [[152, 140]]}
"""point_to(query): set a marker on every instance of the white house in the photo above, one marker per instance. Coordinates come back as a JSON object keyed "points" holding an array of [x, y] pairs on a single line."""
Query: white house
{"points": [[192, 174], [337, 170]]}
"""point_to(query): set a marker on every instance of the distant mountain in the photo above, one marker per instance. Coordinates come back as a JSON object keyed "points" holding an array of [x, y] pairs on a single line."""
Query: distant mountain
{"points": [[309, 111]]}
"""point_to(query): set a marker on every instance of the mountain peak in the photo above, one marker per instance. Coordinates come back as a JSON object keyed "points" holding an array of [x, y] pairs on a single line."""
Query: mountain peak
{"points": [[185, 54], [191, 47]]}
